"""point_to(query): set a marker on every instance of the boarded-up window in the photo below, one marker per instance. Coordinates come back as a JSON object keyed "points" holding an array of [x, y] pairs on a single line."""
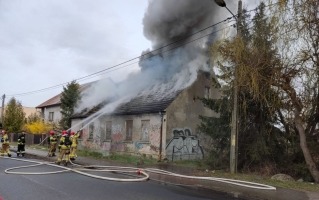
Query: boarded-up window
{"points": [[129, 129], [91, 130], [108, 130], [145, 130]]}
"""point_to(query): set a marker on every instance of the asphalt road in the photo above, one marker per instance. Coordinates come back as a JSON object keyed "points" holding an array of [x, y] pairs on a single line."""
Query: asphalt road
{"points": [[70, 185]]}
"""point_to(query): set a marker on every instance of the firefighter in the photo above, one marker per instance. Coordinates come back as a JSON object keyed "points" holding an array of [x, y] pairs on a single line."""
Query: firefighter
{"points": [[74, 139], [5, 144], [53, 139], [21, 145], [64, 148]]}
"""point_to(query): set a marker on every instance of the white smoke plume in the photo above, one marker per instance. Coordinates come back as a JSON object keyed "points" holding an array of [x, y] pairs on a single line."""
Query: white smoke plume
{"points": [[168, 69]]}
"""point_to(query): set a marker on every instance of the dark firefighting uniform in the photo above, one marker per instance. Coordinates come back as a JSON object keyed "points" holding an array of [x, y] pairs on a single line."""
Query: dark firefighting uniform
{"points": [[21, 145]]}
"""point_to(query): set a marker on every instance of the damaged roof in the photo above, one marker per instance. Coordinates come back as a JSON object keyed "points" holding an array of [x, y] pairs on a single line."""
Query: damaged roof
{"points": [[153, 99], [152, 103], [141, 104]]}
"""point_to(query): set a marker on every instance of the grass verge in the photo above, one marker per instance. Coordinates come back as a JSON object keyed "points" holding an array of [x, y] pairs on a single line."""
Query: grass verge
{"points": [[252, 177], [201, 169], [119, 158]]}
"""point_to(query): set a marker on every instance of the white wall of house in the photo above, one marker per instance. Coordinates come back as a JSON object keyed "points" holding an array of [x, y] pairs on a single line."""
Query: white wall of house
{"points": [[133, 134], [52, 114]]}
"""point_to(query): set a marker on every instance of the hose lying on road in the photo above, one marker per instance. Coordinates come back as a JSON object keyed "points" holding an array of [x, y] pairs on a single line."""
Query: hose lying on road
{"points": [[223, 180], [80, 169]]}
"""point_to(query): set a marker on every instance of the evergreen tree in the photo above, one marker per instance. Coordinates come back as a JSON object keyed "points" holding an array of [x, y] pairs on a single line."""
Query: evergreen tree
{"points": [[254, 55], [69, 99], [14, 117], [259, 139], [219, 130]]}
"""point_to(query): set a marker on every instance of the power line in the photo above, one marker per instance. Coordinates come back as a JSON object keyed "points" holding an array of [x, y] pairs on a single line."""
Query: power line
{"points": [[141, 57], [151, 53], [176, 47]]}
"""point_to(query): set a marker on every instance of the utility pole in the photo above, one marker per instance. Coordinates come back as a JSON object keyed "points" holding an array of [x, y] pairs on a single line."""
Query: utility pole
{"points": [[234, 120], [2, 108]]}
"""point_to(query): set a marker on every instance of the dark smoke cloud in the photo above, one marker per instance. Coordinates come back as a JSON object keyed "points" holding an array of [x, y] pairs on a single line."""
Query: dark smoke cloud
{"points": [[170, 20], [169, 69]]}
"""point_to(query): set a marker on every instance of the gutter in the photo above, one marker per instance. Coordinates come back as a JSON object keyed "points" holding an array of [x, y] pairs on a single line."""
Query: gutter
{"points": [[161, 113]]}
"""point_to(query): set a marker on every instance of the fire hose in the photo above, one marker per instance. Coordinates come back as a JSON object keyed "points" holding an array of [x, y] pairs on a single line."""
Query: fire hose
{"points": [[84, 169], [78, 170]]}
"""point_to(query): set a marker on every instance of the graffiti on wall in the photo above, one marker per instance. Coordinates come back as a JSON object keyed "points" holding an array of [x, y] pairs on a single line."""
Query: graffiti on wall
{"points": [[138, 145], [184, 146], [150, 144]]}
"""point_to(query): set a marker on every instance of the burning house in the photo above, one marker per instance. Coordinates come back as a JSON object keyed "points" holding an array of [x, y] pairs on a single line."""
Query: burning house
{"points": [[159, 123], [155, 111]]}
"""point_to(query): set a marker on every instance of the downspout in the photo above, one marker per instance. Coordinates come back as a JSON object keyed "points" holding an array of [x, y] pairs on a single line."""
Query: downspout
{"points": [[161, 113]]}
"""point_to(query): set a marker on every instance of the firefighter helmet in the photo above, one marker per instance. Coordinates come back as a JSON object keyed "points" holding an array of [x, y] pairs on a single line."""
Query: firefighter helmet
{"points": [[51, 132]]}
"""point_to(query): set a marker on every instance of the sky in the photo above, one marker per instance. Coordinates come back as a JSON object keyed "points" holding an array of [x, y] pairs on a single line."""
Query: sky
{"points": [[47, 43], [52, 42]]}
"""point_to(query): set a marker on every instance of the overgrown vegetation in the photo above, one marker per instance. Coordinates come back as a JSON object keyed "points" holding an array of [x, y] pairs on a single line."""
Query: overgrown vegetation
{"points": [[276, 58], [257, 178], [36, 125]]}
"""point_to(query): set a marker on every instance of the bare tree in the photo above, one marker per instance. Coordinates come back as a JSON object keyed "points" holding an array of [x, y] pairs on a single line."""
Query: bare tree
{"points": [[281, 69], [298, 79]]}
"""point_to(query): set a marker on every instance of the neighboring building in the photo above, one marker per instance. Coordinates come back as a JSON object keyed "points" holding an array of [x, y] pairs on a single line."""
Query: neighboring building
{"points": [[51, 109], [27, 110], [153, 124]]}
